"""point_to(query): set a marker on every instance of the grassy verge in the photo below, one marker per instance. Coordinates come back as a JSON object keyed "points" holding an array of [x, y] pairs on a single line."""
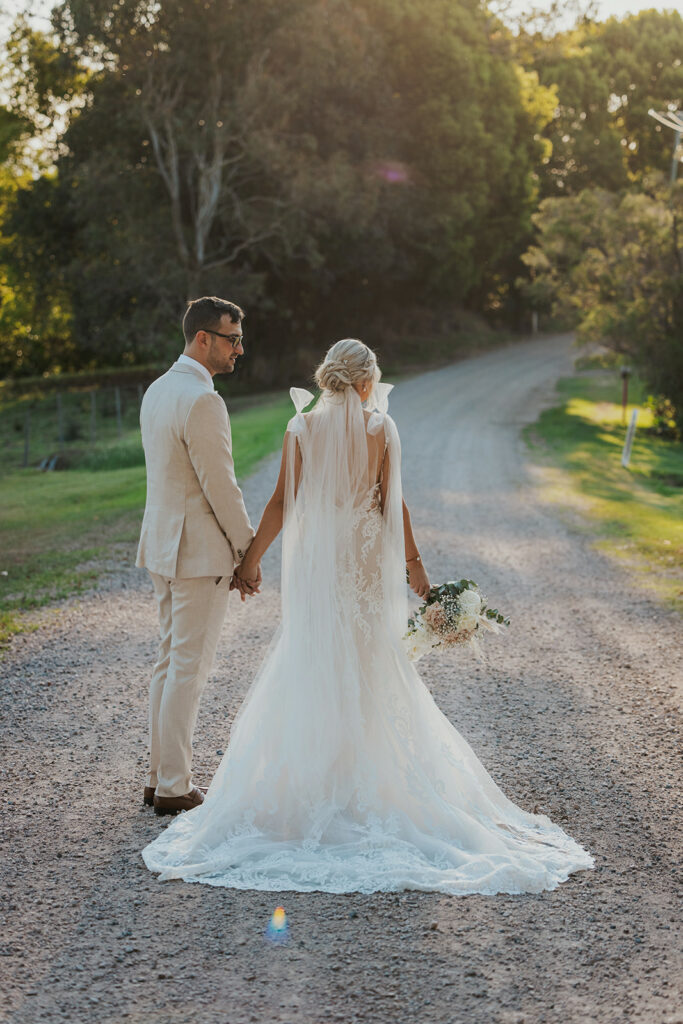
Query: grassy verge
{"points": [[636, 513], [56, 528]]}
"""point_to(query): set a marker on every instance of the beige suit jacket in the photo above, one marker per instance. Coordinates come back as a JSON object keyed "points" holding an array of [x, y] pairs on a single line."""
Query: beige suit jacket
{"points": [[195, 522]]}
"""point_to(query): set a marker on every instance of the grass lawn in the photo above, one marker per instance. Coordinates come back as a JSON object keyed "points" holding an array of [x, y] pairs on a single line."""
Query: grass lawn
{"points": [[635, 513], [56, 527]]}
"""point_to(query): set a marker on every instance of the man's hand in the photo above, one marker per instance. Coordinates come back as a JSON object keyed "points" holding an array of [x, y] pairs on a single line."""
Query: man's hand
{"points": [[247, 579]]}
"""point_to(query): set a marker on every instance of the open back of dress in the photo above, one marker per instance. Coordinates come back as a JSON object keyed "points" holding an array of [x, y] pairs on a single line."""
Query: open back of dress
{"points": [[341, 773]]}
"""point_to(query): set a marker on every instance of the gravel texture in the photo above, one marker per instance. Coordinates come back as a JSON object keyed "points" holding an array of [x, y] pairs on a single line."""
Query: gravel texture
{"points": [[576, 714]]}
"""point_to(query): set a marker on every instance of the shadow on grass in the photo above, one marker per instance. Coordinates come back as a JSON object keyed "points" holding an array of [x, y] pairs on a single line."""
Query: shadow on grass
{"points": [[641, 505]]}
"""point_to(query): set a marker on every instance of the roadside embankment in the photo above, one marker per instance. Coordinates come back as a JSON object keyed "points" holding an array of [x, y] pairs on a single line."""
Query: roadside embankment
{"points": [[635, 513]]}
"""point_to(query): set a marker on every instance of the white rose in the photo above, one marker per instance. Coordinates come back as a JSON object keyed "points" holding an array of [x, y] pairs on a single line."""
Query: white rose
{"points": [[470, 602], [415, 651], [467, 624]]}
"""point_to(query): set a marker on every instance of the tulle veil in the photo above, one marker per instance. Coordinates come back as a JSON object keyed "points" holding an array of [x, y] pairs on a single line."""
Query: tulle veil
{"points": [[320, 519]]}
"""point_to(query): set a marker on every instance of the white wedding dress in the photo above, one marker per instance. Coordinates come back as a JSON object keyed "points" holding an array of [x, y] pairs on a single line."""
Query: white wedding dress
{"points": [[341, 774]]}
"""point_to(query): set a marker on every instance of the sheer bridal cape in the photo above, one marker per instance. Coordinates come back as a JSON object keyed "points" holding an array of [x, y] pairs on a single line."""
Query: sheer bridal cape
{"points": [[341, 774]]}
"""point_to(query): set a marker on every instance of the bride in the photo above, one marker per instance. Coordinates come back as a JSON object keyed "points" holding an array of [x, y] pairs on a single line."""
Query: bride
{"points": [[341, 773]]}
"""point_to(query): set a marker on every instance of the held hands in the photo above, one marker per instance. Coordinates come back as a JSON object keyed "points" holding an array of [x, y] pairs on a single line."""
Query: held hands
{"points": [[417, 578], [247, 578]]}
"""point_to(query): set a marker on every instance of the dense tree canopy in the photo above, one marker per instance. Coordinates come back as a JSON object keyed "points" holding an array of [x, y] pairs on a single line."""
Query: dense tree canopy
{"points": [[331, 165], [321, 159]]}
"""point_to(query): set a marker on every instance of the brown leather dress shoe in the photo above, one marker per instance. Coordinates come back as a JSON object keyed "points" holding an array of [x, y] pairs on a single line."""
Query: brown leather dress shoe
{"points": [[174, 804], [149, 791]]}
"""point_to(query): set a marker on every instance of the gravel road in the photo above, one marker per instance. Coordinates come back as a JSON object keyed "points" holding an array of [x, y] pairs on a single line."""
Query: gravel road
{"points": [[576, 714]]}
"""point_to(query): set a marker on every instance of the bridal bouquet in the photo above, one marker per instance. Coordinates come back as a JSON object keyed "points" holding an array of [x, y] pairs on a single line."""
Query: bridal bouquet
{"points": [[452, 614]]}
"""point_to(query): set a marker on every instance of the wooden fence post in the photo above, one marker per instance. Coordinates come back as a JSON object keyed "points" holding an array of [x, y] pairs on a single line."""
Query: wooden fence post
{"points": [[119, 424], [93, 416], [60, 420]]}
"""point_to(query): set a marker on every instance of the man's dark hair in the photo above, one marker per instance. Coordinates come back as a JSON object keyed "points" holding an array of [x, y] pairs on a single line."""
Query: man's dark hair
{"points": [[205, 315]]}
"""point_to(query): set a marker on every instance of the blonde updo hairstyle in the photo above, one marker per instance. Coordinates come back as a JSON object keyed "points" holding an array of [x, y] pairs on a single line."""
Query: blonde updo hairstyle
{"points": [[348, 362]]}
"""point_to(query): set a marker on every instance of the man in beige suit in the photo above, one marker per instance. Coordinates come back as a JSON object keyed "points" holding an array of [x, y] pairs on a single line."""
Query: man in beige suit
{"points": [[194, 532]]}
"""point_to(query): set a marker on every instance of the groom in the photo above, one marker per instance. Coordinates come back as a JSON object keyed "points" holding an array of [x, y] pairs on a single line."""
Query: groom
{"points": [[194, 532]]}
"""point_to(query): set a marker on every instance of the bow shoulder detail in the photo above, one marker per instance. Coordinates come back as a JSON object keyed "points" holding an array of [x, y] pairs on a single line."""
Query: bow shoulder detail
{"points": [[380, 405], [301, 398]]}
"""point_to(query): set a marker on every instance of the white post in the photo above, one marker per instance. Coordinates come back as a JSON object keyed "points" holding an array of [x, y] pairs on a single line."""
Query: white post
{"points": [[628, 444]]}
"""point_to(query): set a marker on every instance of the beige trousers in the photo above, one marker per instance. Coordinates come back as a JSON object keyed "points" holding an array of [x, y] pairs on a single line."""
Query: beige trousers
{"points": [[191, 614]]}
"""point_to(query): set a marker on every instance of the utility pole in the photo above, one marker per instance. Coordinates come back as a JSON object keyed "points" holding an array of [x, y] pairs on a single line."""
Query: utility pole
{"points": [[675, 122]]}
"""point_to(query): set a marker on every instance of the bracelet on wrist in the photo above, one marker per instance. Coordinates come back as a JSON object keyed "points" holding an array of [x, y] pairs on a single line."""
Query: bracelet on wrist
{"points": [[415, 558]]}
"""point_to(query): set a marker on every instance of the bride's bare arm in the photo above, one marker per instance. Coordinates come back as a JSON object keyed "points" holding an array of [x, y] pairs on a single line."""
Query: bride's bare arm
{"points": [[417, 574], [271, 520]]}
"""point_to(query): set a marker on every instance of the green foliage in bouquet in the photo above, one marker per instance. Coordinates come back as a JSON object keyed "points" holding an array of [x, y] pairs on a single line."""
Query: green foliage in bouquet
{"points": [[452, 590]]}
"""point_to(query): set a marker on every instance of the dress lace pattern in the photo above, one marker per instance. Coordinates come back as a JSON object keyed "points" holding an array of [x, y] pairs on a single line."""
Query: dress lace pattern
{"points": [[360, 573], [341, 773]]}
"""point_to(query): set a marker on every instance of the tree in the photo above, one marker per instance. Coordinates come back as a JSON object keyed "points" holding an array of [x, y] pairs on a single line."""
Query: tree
{"points": [[189, 74], [429, 164], [41, 81], [608, 75], [614, 263]]}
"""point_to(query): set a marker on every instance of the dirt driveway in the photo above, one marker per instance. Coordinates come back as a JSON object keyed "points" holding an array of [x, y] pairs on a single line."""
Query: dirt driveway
{"points": [[576, 714]]}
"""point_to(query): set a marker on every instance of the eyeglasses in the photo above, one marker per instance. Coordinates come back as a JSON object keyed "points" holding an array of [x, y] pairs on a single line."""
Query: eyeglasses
{"points": [[234, 339]]}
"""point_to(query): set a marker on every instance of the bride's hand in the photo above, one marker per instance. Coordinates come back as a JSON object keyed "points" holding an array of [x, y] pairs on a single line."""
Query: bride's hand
{"points": [[247, 578], [418, 579]]}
